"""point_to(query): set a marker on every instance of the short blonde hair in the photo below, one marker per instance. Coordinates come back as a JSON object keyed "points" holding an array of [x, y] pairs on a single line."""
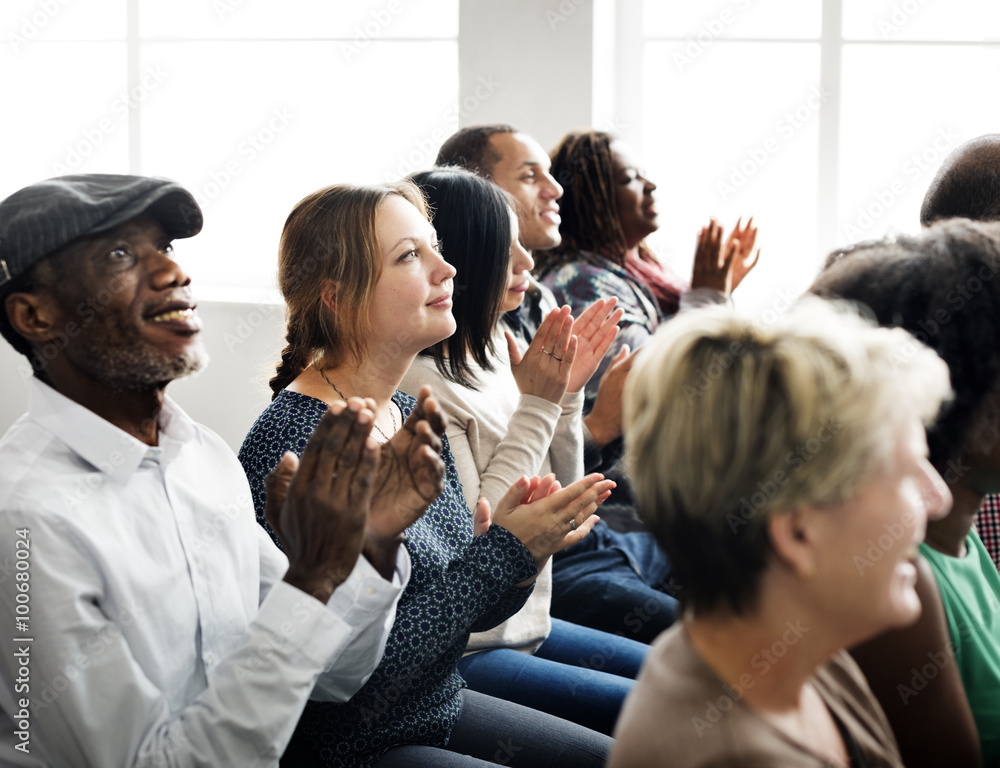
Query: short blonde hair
{"points": [[724, 418]]}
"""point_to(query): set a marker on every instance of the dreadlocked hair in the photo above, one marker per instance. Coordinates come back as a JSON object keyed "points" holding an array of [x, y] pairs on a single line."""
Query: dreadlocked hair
{"points": [[583, 164], [329, 239]]}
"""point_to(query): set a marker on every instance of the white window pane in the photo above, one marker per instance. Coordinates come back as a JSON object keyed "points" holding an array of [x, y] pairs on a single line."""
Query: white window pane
{"points": [[253, 127], [356, 22], [73, 112], [968, 20], [716, 149], [702, 22], [23, 22], [893, 137]]}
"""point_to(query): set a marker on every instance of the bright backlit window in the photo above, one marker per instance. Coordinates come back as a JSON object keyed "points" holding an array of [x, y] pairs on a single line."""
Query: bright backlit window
{"points": [[825, 119], [251, 105]]}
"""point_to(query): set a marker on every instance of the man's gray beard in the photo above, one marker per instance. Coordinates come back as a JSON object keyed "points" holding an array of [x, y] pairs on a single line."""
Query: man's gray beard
{"points": [[138, 367]]}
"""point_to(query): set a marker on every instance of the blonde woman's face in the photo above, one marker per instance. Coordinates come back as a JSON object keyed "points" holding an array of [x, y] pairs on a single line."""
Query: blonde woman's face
{"points": [[867, 547]]}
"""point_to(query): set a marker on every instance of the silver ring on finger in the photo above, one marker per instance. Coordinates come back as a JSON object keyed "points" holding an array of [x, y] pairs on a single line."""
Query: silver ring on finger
{"points": [[573, 525], [554, 355], [547, 352]]}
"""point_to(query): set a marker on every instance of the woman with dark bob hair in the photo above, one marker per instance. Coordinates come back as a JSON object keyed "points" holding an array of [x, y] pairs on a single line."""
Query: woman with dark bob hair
{"points": [[763, 479], [607, 211], [505, 420], [939, 680], [366, 289]]}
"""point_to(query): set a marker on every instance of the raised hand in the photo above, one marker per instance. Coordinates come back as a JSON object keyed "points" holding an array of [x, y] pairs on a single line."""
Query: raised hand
{"points": [[545, 368], [595, 329], [723, 267], [410, 476], [737, 250], [605, 418], [318, 505], [547, 518]]}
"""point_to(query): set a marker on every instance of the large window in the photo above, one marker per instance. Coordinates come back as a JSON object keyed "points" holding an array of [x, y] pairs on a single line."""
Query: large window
{"points": [[825, 119], [250, 104]]}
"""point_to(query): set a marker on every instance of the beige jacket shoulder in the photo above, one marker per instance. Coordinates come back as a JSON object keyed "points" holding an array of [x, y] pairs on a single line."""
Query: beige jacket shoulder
{"points": [[681, 715]]}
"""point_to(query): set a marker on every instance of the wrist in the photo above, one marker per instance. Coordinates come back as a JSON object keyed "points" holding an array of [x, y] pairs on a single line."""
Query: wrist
{"points": [[382, 553], [320, 587], [716, 284], [598, 430], [540, 562]]}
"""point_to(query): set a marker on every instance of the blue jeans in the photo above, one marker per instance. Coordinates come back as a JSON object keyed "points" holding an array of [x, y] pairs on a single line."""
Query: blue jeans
{"points": [[614, 582], [492, 731], [578, 674]]}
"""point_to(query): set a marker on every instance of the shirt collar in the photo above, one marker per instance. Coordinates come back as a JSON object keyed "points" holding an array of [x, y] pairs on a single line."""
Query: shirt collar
{"points": [[99, 442]]}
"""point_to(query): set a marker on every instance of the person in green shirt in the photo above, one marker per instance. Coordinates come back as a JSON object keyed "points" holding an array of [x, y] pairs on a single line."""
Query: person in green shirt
{"points": [[939, 680]]}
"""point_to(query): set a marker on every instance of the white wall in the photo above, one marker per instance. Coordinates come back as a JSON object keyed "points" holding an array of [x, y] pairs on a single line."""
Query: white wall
{"points": [[542, 56]]}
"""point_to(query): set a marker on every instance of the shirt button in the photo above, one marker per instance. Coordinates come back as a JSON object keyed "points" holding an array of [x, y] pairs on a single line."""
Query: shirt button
{"points": [[209, 658], [369, 591]]}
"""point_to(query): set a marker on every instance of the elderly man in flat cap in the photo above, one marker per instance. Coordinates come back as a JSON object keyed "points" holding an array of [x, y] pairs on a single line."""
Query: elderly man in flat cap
{"points": [[149, 620]]}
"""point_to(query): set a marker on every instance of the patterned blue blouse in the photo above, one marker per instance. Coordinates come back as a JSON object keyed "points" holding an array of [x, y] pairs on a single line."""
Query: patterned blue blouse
{"points": [[458, 584]]}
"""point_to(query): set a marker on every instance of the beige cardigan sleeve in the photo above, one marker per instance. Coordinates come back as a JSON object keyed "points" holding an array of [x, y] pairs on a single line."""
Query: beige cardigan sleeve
{"points": [[494, 438]]}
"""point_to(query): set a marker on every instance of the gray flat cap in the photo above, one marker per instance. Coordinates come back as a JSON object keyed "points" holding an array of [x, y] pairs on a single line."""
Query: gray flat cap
{"points": [[43, 217]]}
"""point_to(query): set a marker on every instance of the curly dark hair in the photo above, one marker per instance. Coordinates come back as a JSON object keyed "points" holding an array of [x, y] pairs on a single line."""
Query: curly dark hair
{"points": [[941, 286]]}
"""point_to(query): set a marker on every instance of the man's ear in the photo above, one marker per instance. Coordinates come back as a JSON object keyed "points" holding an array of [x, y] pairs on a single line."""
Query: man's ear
{"points": [[35, 316], [794, 540], [328, 293]]}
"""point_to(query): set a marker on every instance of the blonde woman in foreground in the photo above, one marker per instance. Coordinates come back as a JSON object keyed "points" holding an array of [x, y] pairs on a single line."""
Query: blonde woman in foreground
{"points": [[765, 460]]}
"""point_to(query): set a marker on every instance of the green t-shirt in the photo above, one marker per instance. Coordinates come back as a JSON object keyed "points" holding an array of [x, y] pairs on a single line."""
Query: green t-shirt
{"points": [[970, 590]]}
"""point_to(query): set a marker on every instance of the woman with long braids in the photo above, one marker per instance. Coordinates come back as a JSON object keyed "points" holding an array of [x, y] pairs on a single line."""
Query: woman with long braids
{"points": [[607, 211], [366, 289]]}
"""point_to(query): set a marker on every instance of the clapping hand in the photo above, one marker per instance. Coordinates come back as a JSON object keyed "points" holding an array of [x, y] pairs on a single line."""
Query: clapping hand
{"points": [[547, 518], [605, 418], [595, 329], [544, 369], [737, 249], [410, 476], [719, 266], [319, 505]]}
